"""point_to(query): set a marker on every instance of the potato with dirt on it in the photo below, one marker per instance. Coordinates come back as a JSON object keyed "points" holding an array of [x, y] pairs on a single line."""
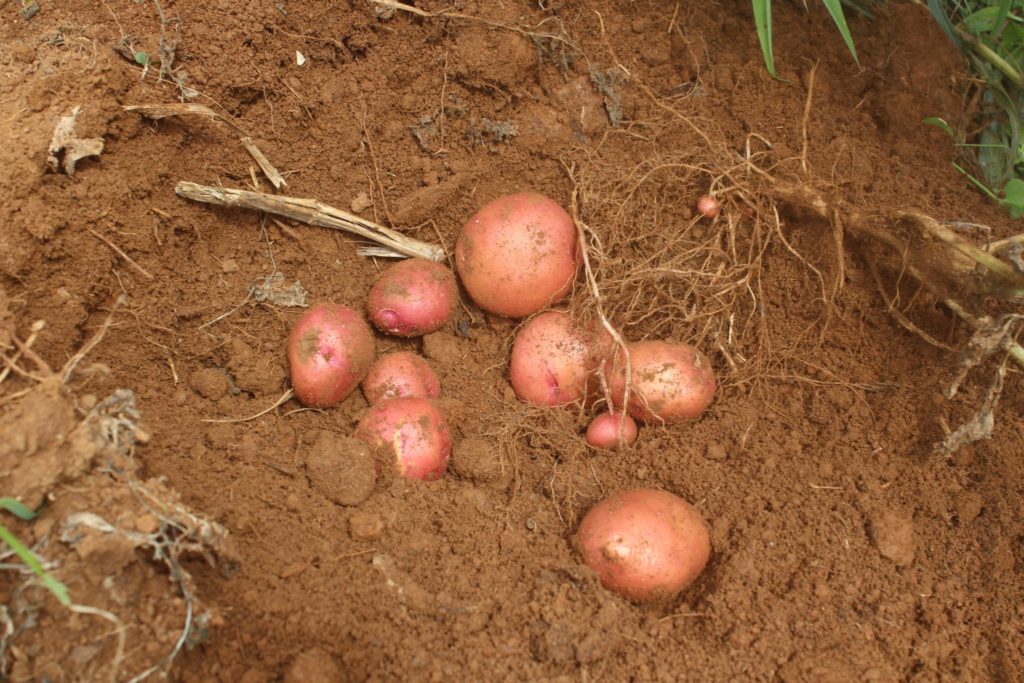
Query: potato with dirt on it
{"points": [[644, 544], [412, 298], [669, 381], [549, 361], [400, 375], [412, 432], [518, 254], [330, 351]]}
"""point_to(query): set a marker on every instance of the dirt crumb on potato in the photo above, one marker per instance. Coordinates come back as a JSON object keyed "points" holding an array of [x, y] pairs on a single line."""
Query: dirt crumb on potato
{"points": [[341, 468], [313, 666]]}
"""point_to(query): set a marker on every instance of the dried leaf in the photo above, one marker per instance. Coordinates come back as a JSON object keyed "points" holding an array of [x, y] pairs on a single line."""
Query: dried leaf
{"points": [[980, 426], [990, 336], [73, 148], [273, 290]]}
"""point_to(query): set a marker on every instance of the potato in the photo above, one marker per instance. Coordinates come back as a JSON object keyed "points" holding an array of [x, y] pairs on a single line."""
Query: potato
{"points": [[605, 429], [412, 298], [644, 544], [671, 381], [400, 375], [549, 361], [330, 350], [412, 432], [518, 254]]}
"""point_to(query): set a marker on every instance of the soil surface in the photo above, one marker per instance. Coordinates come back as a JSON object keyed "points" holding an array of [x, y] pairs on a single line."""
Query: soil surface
{"points": [[845, 547]]}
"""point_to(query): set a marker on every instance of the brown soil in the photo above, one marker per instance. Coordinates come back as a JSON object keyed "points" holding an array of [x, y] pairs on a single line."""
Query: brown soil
{"points": [[845, 548]]}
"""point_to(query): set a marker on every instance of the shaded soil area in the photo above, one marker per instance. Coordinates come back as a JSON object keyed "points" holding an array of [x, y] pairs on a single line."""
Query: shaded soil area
{"points": [[844, 546]]}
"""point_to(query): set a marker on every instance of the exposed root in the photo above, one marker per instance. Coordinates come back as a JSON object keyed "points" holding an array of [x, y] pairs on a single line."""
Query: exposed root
{"points": [[534, 32], [280, 401], [586, 246], [663, 271]]}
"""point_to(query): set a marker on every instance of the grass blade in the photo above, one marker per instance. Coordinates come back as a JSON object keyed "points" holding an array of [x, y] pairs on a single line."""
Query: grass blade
{"points": [[1004, 11], [59, 590], [16, 508], [763, 22], [935, 6], [836, 10]]}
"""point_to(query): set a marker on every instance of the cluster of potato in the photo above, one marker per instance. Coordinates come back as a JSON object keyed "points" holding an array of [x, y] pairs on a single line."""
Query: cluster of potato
{"points": [[516, 257]]}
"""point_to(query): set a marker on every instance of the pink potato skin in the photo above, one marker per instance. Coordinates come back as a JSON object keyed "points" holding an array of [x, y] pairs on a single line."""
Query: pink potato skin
{"points": [[644, 544], [549, 361], [518, 254], [708, 206], [330, 350], [671, 381], [603, 431], [400, 375], [413, 431], [412, 298]]}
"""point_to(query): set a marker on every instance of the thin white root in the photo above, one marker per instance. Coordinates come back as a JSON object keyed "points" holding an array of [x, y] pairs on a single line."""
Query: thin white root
{"points": [[116, 621], [284, 397], [595, 291]]}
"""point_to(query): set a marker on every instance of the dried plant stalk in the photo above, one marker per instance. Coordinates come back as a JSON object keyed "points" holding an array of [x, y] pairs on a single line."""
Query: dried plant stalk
{"points": [[273, 175], [312, 212]]}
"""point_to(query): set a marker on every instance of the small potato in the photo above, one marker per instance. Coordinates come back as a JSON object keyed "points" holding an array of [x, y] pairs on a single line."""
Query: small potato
{"points": [[671, 381], [549, 361], [413, 432], [708, 206], [330, 350], [400, 375], [644, 544], [518, 254], [412, 298], [604, 431]]}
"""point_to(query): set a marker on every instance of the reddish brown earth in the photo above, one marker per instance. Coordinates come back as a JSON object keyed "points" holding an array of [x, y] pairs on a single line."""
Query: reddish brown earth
{"points": [[844, 547]]}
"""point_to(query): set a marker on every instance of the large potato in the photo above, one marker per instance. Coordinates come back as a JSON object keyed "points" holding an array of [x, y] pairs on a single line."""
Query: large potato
{"points": [[644, 544], [518, 254]]}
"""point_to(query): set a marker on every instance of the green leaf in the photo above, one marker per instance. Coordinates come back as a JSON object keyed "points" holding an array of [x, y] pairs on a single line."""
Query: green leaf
{"points": [[982, 21], [59, 590], [15, 507], [763, 22], [142, 58], [836, 10], [1013, 194], [941, 124]]}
